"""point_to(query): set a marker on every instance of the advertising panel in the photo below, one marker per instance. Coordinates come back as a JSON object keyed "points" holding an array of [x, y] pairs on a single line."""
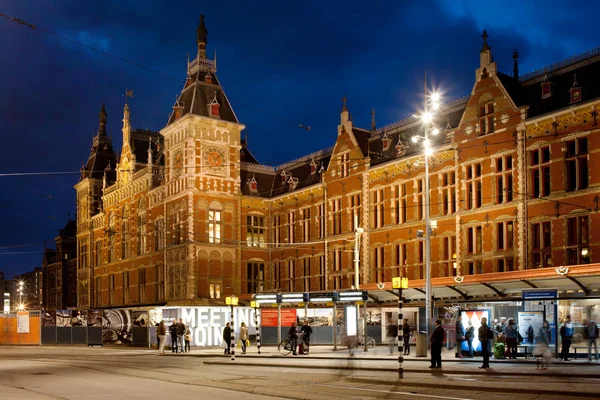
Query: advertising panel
{"points": [[116, 327], [79, 318], [315, 316], [94, 318], [530, 323], [22, 321], [140, 319], [48, 317], [473, 318], [269, 317], [63, 318]]}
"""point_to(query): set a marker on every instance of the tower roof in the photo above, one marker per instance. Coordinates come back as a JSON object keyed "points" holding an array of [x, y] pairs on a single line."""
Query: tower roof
{"points": [[102, 153]]}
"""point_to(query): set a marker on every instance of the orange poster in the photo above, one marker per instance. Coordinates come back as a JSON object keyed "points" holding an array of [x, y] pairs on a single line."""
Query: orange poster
{"points": [[269, 316]]}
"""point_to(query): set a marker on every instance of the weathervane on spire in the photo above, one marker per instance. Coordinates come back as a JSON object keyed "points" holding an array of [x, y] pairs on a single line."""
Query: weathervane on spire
{"points": [[128, 93]]}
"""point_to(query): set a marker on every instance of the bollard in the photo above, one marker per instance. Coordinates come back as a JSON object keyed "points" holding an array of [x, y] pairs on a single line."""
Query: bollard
{"points": [[257, 326], [400, 338], [232, 336]]}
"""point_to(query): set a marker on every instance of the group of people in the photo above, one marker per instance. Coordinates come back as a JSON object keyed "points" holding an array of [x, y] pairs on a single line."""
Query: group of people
{"points": [[180, 337], [392, 334], [227, 338], [304, 333]]}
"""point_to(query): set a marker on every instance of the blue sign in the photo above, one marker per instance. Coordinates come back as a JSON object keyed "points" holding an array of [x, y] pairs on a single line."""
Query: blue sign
{"points": [[540, 294]]}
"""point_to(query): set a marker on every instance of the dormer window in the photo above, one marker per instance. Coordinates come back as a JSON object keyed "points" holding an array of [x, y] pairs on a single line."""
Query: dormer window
{"points": [[575, 91], [292, 182], [546, 89], [283, 176], [214, 108], [313, 167], [208, 78], [486, 118], [385, 142], [253, 185], [322, 169], [401, 147]]}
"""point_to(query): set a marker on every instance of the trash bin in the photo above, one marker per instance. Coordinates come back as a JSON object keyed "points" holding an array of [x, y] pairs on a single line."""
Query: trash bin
{"points": [[422, 344]]}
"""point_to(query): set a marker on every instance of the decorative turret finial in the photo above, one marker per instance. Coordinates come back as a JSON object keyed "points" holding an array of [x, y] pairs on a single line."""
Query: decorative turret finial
{"points": [[344, 108], [201, 37], [516, 65], [102, 130], [485, 45], [373, 125]]}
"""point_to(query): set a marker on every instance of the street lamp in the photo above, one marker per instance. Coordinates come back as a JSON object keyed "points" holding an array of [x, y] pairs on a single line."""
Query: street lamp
{"points": [[232, 301], [432, 102], [21, 283]]}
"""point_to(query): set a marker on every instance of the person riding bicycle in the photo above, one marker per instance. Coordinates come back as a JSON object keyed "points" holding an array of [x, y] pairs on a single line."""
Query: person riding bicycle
{"points": [[293, 336], [306, 331]]}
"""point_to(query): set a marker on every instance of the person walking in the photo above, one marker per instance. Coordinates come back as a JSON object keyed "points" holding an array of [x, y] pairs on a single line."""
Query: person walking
{"points": [[543, 346], [173, 332], [161, 334], [187, 337], [485, 335], [180, 333], [590, 332], [566, 336], [460, 336], [469, 335], [293, 335], [391, 333], [306, 332], [227, 338], [243, 336], [406, 336], [511, 339], [437, 342]]}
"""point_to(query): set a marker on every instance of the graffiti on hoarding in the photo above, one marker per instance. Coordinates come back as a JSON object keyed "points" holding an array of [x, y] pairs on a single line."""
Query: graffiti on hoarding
{"points": [[206, 324]]}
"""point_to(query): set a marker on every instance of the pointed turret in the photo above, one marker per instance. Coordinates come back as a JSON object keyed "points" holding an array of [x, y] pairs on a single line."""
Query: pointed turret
{"points": [[516, 65], [102, 127], [126, 126], [201, 36], [344, 115]]}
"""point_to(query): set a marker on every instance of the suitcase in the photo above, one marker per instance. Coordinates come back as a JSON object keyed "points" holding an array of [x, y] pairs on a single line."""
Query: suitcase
{"points": [[301, 348], [499, 351]]}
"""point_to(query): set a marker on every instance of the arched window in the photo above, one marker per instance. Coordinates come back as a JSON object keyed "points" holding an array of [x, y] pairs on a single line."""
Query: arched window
{"points": [[159, 230], [141, 228], [125, 234]]}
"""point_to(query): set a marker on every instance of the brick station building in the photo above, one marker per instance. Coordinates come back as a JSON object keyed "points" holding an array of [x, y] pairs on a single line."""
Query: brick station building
{"points": [[188, 216]]}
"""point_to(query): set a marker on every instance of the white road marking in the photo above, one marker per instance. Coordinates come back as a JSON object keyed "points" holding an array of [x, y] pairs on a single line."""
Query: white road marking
{"points": [[387, 391]]}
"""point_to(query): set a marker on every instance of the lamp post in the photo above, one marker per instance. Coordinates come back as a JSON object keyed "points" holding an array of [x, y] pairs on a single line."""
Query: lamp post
{"points": [[400, 283], [21, 284], [232, 301], [432, 101]]}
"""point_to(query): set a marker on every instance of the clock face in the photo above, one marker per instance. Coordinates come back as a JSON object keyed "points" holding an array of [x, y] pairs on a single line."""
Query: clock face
{"points": [[214, 159]]}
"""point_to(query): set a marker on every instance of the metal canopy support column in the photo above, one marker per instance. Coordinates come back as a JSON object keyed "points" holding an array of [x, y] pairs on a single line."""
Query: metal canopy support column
{"points": [[334, 326], [581, 285], [463, 294], [487, 285]]}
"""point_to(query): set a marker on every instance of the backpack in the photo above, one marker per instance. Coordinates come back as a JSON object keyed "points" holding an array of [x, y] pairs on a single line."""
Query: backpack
{"points": [[490, 334]]}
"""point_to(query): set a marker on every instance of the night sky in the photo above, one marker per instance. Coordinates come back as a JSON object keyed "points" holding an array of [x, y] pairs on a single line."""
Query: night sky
{"points": [[280, 64]]}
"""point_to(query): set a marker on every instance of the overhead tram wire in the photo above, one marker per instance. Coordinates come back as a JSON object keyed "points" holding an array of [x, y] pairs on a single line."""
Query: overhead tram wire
{"points": [[137, 65]]}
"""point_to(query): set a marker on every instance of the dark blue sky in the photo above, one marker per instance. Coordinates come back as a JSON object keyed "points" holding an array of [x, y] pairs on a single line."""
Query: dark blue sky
{"points": [[280, 64]]}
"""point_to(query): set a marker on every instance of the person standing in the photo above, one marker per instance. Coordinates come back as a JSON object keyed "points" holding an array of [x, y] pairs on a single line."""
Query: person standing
{"points": [[469, 335], [511, 339], [187, 337], [227, 338], [460, 336], [406, 336], [161, 334], [437, 342], [180, 333], [566, 336], [243, 336], [293, 336], [173, 332], [543, 346], [485, 334], [306, 332], [591, 334], [391, 333]]}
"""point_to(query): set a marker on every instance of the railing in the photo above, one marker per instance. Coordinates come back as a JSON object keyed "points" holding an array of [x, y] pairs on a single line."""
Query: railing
{"points": [[560, 64], [194, 66], [304, 158]]}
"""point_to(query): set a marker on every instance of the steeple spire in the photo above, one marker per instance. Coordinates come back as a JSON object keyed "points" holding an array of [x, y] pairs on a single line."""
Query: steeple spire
{"points": [[201, 36], [102, 128], [485, 46], [516, 65], [373, 125], [126, 126]]}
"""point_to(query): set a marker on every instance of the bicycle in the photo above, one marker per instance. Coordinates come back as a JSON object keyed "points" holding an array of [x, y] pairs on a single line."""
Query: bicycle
{"points": [[370, 341], [285, 346]]}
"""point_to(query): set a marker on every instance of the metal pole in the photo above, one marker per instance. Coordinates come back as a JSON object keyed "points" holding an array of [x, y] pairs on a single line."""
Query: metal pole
{"points": [[366, 348], [334, 326], [427, 227], [400, 334], [232, 336], [278, 324], [257, 326], [356, 252]]}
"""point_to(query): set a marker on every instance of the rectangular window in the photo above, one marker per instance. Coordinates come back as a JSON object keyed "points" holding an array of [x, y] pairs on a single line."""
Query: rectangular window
{"points": [[305, 223], [276, 276], [577, 240], [141, 233], [541, 246], [336, 216], [539, 167], [159, 226], [504, 235], [321, 221], [214, 226], [576, 165], [486, 118], [178, 229], [125, 287], [142, 284], [255, 231], [504, 179], [420, 199], [277, 230], [504, 264], [355, 212], [291, 226], [98, 291], [124, 239], [83, 254], [322, 274], [160, 282], [344, 164], [448, 188], [337, 268], [215, 290], [400, 201], [291, 274], [378, 208], [379, 262], [255, 277], [474, 239], [111, 289], [449, 255], [473, 184], [98, 252], [306, 274]]}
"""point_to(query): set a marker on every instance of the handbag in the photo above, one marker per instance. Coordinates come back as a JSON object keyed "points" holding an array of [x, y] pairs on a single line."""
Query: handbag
{"points": [[247, 343], [223, 344], [519, 337]]}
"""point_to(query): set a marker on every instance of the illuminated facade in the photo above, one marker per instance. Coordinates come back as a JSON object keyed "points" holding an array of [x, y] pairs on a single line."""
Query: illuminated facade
{"points": [[188, 216]]}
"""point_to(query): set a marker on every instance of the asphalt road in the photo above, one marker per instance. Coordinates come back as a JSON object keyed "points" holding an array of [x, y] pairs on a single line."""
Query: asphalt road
{"points": [[111, 373]]}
